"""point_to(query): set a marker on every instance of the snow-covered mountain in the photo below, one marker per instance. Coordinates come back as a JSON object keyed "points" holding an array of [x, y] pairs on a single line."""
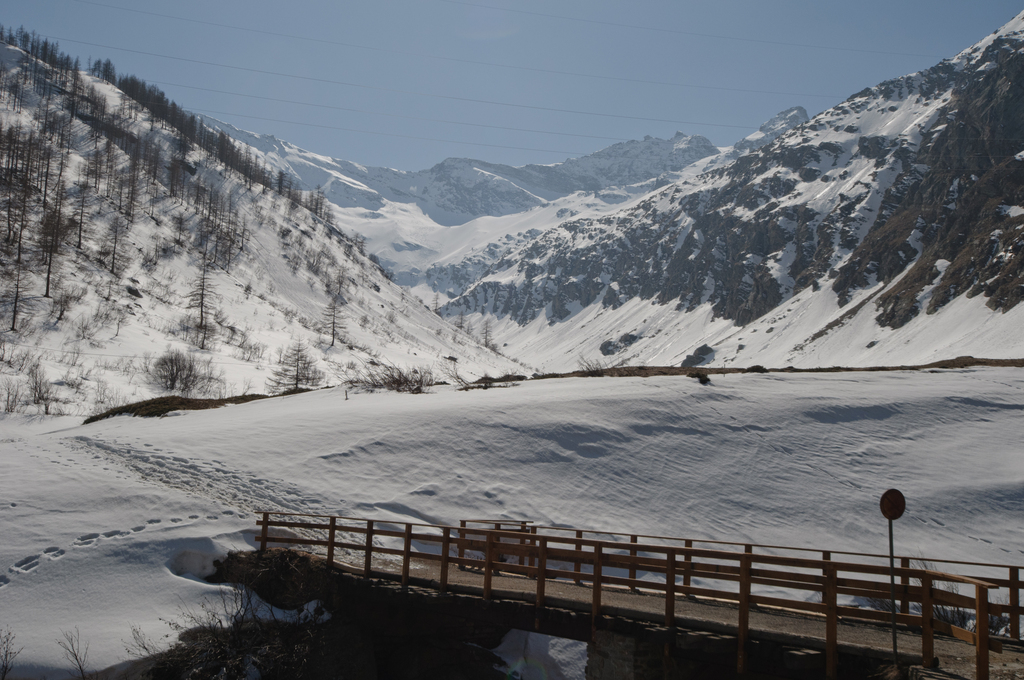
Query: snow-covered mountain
{"points": [[439, 229], [457, 190], [134, 234], [887, 228]]}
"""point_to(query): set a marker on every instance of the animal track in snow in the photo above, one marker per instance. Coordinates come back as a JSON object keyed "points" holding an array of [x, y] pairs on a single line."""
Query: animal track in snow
{"points": [[212, 479], [86, 539], [114, 533], [53, 552], [26, 564]]}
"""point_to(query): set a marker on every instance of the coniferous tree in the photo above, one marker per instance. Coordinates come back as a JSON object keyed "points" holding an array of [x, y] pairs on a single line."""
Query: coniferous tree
{"points": [[487, 334], [332, 320], [116, 234], [202, 297], [296, 371]]}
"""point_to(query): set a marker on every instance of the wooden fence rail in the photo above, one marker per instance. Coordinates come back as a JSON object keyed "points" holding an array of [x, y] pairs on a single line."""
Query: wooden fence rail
{"points": [[679, 568]]}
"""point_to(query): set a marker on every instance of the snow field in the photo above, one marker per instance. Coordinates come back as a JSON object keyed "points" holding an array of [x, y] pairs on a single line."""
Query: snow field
{"points": [[106, 525]]}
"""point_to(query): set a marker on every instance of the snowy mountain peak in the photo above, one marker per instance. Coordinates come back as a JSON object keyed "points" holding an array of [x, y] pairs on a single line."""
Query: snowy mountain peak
{"points": [[773, 128]]}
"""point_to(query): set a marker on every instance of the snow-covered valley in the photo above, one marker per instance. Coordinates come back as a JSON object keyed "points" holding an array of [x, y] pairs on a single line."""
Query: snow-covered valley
{"points": [[109, 524], [888, 230]]}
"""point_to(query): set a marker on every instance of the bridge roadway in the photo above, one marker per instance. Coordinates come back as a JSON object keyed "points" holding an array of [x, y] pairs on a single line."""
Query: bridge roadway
{"points": [[759, 601], [697, 617]]}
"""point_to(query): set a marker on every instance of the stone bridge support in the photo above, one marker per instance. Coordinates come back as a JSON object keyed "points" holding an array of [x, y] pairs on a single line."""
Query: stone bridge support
{"points": [[615, 656]]}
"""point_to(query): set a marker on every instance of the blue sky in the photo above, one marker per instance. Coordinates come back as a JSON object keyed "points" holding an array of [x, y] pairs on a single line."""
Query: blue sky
{"points": [[407, 83]]}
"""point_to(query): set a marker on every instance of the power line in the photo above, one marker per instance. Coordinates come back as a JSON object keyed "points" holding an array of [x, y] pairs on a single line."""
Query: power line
{"points": [[390, 115], [399, 91], [661, 29], [388, 134], [420, 55]]}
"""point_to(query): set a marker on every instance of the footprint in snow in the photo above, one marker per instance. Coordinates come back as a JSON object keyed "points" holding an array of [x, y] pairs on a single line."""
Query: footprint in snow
{"points": [[139, 528], [86, 539], [4, 581], [53, 552], [26, 564], [153, 521], [115, 533]]}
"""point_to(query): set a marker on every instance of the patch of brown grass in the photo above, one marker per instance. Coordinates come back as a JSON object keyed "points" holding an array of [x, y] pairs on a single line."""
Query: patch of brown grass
{"points": [[152, 408]]}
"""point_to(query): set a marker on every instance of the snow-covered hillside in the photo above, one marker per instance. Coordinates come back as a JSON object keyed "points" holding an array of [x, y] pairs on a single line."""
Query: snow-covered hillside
{"points": [[132, 243], [439, 229], [109, 524], [889, 217]]}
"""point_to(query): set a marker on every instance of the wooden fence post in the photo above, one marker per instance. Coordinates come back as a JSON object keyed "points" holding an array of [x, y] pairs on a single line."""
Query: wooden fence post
{"points": [[330, 543], [368, 557], [927, 632], [263, 533], [981, 631], [596, 609], [632, 564], [446, 540], [488, 552], [744, 617], [1014, 602], [462, 543], [904, 583], [522, 541], [578, 564], [831, 596], [533, 543], [542, 566], [687, 564], [406, 555], [670, 588]]}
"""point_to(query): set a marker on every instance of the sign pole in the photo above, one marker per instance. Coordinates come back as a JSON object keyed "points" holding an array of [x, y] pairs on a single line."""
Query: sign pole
{"points": [[892, 505], [892, 593]]}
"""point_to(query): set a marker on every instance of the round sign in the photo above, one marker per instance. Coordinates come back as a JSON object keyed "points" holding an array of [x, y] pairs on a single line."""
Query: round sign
{"points": [[892, 504]]}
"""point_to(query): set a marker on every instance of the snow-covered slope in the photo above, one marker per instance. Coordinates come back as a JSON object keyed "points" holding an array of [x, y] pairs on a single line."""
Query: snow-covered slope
{"points": [[125, 293], [460, 189], [109, 524], [437, 230], [886, 216]]}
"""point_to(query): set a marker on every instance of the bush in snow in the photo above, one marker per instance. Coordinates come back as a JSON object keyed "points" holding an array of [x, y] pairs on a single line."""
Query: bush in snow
{"points": [[184, 372], [390, 377]]}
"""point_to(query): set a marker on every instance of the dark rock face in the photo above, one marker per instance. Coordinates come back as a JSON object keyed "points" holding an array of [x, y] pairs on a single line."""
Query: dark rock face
{"points": [[914, 179], [610, 347], [700, 355]]}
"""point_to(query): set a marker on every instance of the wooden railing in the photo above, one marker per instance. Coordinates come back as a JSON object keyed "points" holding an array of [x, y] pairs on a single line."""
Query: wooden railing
{"points": [[822, 585]]}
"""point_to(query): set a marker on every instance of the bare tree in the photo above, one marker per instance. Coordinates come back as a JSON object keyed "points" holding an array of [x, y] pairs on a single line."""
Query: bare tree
{"points": [[75, 653], [7, 653], [332, 323], [487, 334], [296, 371], [202, 297], [116, 233]]}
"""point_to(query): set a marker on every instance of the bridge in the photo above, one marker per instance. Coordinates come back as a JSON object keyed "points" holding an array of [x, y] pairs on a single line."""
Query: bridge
{"points": [[640, 601]]}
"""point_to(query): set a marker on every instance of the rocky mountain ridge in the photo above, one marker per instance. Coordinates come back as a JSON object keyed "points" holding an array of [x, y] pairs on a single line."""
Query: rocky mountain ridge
{"points": [[908, 190], [457, 190]]}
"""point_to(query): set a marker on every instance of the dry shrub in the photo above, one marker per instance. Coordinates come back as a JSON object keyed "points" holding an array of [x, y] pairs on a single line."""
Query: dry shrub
{"points": [[378, 376]]}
